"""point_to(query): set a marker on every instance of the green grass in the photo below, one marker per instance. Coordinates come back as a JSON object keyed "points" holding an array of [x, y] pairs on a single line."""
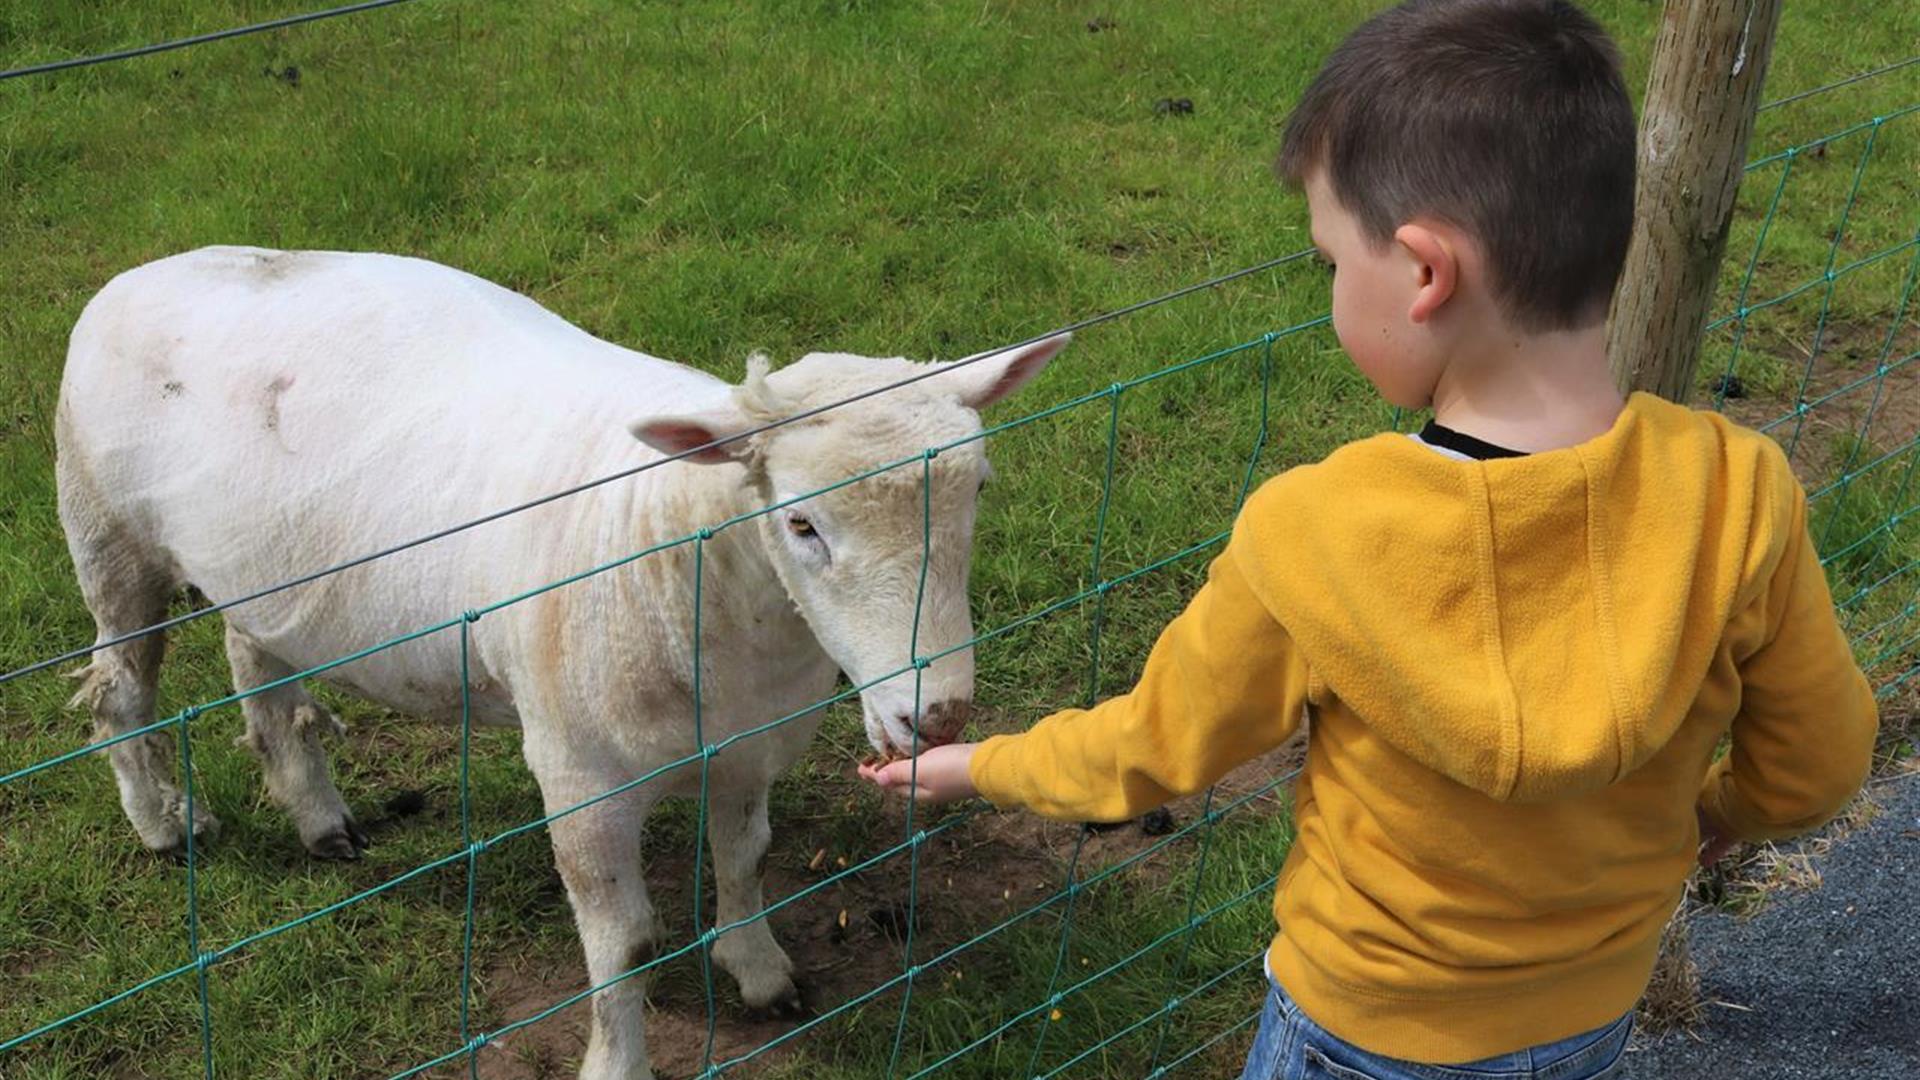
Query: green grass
{"points": [[705, 179]]}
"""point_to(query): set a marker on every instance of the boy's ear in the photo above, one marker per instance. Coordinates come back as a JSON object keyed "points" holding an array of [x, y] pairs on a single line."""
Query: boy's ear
{"points": [[1436, 266]]}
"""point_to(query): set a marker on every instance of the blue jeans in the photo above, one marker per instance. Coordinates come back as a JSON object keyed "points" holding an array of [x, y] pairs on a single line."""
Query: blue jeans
{"points": [[1292, 1047]]}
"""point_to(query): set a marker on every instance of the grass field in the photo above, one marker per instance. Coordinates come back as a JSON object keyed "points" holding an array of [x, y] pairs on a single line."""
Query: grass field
{"points": [[703, 179]]}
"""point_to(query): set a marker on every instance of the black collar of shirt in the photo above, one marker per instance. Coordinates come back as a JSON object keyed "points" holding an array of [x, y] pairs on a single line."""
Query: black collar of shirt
{"points": [[1461, 443]]}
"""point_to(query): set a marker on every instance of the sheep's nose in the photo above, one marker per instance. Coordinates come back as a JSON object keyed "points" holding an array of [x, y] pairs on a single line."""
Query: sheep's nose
{"points": [[942, 721]]}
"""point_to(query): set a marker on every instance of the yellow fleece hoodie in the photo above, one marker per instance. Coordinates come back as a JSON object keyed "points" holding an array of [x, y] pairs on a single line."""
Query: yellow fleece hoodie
{"points": [[1518, 671]]}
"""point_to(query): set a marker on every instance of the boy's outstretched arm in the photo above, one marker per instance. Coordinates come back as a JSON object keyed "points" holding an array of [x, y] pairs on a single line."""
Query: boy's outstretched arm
{"points": [[1223, 685], [1803, 739]]}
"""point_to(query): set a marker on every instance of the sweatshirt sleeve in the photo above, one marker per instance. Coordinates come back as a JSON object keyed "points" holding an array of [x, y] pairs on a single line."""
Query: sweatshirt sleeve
{"points": [[1803, 739], [1223, 684]]}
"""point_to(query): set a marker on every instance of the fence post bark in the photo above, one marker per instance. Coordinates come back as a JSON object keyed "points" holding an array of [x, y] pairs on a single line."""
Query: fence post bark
{"points": [[1708, 65]]}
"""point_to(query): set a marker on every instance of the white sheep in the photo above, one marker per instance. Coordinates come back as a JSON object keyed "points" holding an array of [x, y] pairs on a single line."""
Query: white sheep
{"points": [[232, 416]]}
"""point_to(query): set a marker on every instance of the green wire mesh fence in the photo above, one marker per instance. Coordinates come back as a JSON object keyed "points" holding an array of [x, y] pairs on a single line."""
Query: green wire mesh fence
{"points": [[1836, 395], [1824, 364], [201, 962]]}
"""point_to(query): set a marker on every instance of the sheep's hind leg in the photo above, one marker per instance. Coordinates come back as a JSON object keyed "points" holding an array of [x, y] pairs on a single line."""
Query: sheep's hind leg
{"points": [[118, 687], [119, 684], [284, 729]]}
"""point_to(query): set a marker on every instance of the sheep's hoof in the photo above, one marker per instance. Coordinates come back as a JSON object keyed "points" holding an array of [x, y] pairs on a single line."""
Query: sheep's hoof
{"points": [[172, 845], [786, 1006], [177, 854], [344, 843]]}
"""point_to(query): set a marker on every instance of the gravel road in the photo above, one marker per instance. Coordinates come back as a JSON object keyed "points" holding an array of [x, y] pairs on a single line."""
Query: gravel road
{"points": [[1828, 979]]}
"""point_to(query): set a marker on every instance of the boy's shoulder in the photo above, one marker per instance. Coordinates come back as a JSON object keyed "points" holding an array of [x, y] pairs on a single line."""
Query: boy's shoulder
{"points": [[1346, 506], [1740, 454]]}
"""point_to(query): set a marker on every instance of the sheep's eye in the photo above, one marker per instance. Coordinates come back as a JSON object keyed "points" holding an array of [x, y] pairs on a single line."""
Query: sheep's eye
{"points": [[801, 527]]}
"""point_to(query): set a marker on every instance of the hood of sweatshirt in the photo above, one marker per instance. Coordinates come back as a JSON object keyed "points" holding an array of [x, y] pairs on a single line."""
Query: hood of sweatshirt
{"points": [[1537, 640]]}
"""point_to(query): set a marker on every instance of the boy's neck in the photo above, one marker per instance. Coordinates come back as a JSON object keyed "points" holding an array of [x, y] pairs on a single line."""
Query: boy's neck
{"points": [[1530, 392]]}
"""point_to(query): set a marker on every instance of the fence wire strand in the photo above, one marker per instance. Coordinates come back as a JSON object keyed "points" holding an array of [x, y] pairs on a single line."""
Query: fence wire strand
{"points": [[1850, 80], [197, 39]]}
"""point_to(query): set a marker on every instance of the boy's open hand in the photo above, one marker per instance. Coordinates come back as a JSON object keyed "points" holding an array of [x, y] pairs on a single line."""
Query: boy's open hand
{"points": [[937, 776]]}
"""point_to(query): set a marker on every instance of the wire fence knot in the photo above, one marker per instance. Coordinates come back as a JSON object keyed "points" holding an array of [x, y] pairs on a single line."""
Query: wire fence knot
{"points": [[206, 960], [470, 616]]}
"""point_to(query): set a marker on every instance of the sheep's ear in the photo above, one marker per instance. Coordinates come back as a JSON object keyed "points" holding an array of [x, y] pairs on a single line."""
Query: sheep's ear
{"points": [[694, 434], [984, 381]]}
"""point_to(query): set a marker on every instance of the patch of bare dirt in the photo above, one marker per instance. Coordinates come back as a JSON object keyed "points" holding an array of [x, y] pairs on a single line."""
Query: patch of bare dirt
{"points": [[1845, 366], [846, 938]]}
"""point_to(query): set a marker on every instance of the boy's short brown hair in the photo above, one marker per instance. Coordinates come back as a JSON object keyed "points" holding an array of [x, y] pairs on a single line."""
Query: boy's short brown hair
{"points": [[1506, 118]]}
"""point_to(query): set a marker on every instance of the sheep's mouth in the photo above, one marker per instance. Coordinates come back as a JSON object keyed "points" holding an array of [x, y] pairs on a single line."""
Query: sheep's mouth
{"points": [[885, 741], [887, 755], [893, 737]]}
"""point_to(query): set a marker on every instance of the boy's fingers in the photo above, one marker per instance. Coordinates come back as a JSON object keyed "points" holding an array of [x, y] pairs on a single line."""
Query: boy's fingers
{"points": [[895, 774]]}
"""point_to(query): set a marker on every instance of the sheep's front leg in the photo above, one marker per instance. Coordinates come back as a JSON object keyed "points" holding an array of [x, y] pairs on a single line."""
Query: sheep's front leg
{"points": [[737, 831], [598, 852]]}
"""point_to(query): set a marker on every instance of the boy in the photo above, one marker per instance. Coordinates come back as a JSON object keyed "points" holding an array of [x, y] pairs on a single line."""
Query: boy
{"points": [[1520, 633]]}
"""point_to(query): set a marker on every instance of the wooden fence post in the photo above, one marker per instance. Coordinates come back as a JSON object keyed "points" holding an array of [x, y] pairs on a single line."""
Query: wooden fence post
{"points": [[1708, 64]]}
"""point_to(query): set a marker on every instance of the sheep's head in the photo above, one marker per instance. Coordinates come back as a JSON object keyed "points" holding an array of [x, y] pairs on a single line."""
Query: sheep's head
{"points": [[860, 554]]}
